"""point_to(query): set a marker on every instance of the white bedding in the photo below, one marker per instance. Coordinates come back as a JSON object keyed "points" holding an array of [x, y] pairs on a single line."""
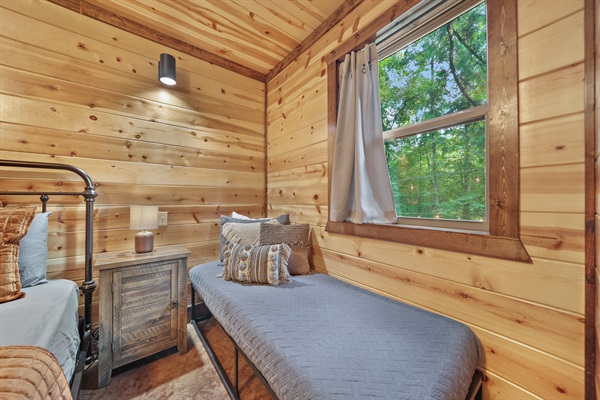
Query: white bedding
{"points": [[46, 317]]}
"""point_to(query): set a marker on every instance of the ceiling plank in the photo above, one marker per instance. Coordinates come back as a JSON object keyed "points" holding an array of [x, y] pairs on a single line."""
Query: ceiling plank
{"points": [[369, 31], [108, 17], [331, 21]]}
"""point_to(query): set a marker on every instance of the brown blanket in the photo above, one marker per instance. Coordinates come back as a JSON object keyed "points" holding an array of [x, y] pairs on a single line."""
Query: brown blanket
{"points": [[28, 372]]}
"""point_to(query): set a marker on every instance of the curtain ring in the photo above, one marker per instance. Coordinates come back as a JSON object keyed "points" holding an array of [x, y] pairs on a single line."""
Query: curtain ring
{"points": [[369, 65], [364, 69]]}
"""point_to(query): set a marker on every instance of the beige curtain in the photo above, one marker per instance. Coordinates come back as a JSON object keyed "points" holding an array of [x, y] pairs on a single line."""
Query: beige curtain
{"points": [[360, 184]]}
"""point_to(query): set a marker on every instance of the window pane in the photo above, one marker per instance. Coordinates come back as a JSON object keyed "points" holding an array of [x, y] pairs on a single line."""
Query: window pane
{"points": [[441, 73], [440, 174]]}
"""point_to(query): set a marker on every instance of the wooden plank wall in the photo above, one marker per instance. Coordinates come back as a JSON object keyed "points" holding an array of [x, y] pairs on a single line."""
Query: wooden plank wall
{"points": [[74, 90], [529, 317], [597, 162]]}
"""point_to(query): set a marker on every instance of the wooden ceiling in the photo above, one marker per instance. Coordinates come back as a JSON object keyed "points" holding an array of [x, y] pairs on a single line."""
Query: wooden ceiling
{"points": [[257, 38]]}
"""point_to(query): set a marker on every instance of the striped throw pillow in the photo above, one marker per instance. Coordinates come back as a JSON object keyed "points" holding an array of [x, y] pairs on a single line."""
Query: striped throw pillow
{"points": [[14, 223], [257, 264]]}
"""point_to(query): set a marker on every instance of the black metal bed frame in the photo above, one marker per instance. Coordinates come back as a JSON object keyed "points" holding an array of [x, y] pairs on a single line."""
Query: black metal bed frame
{"points": [[89, 285], [474, 393], [232, 389]]}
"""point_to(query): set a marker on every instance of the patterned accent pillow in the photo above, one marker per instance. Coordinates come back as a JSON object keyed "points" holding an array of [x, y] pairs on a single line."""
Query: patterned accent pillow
{"points": [[244, 233], [14, 223], [257, 264], [297, 237], [282, 219]]}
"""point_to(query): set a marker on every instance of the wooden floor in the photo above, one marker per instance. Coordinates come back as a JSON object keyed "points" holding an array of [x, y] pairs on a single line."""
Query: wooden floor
{"points": [[168, 375]]}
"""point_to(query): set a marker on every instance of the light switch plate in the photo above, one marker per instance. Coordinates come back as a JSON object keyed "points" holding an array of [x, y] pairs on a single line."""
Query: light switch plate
{"points": [[162, 218]]}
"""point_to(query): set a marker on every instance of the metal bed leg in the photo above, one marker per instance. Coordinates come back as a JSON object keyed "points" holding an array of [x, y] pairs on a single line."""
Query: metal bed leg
{"points": [[476, 390], [218, 367], [211, 354], [235, 371], [231, 390], [80, 364], [193, 304]]}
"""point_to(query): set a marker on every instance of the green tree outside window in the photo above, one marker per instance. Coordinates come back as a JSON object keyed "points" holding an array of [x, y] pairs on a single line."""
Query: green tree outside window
{"points": [[441, 173]]}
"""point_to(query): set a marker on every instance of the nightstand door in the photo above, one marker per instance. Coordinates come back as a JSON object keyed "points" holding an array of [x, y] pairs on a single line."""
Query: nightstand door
{"points": [[144, 310]]}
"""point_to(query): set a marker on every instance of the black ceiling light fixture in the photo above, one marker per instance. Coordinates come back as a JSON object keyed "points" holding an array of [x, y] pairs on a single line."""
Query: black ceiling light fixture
{"points": [[166, 69]]}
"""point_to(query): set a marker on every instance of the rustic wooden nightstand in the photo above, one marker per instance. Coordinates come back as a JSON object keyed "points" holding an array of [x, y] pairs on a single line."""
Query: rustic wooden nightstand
{"points": [[142, 305]]}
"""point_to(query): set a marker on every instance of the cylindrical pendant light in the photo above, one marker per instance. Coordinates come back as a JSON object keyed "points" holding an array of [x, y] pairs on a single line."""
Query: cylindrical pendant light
{"points": [[166, 69]]}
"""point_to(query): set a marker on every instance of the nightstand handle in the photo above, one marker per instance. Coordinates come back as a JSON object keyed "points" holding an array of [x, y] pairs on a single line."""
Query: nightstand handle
{"points": [[174, 304]]}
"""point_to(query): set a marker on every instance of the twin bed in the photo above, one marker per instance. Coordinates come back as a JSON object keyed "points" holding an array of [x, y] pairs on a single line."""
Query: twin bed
{"points": [[47, 317], [321, 338]]}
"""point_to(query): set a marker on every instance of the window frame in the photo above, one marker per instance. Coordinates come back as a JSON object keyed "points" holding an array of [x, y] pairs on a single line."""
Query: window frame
{"points": [[466, 116], [502, 240]]}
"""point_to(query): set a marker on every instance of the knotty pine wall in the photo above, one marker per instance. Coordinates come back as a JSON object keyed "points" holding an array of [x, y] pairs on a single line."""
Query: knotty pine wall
{"points": [[597, 155], [529, 317], [77, 91], [80, 92]]}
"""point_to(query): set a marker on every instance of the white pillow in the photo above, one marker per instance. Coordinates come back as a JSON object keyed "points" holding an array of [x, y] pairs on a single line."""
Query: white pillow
{"points": [[239, 216]]}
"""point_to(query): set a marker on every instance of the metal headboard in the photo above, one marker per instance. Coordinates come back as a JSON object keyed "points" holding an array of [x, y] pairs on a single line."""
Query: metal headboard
{"points": [[89, 194]]}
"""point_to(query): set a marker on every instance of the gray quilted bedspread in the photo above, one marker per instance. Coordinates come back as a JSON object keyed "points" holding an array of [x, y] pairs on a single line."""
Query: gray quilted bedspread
{"points": [[321, 338]]}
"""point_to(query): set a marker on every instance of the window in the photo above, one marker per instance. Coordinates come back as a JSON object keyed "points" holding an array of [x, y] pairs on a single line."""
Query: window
{"points": [[433, 106], [492, 173]]}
